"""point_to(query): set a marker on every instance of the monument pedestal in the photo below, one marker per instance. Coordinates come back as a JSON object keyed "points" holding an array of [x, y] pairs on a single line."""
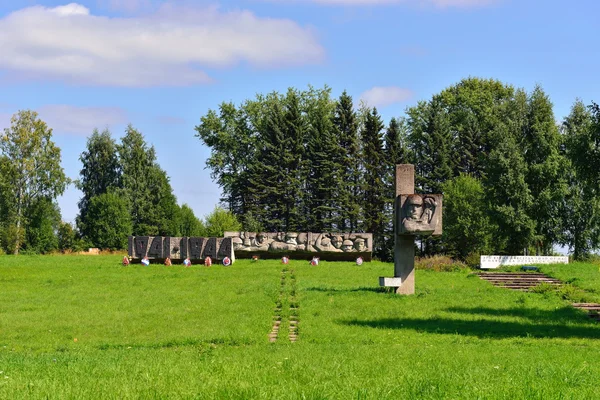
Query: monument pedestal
{"points": [[414, 215]]}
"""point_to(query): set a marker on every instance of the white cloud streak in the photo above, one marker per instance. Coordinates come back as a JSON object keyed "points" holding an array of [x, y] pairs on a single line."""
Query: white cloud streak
{"points": [[171, 47], [436, 3], [380, 96], [80, 121]]}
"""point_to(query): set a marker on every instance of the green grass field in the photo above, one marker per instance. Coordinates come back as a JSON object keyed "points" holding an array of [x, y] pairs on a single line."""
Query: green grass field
{"points": [[85, 327]]}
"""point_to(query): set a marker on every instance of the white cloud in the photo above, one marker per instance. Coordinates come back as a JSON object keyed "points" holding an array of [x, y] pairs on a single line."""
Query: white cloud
{"points": [[380, 96], [128, 5], [80, 121], [437, 3], [170, 47]]}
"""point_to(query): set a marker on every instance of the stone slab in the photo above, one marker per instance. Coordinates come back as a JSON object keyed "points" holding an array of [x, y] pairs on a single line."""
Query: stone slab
{"points": [[179, 248], [390, 282], [491, 262], [303, 245]]}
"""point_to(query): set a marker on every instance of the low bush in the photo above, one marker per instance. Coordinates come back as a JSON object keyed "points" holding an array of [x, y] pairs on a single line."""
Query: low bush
{"points": [[440, 264]]}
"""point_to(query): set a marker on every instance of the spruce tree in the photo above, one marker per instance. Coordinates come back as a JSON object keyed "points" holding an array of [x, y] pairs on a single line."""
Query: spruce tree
{"points": [[99, 174], [146, 187], [322, 152], [345, 122], [373, 200], [546, 169], [395, 152]]}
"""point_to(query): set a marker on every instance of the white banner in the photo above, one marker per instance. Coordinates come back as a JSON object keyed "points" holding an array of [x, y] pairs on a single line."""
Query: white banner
{"points": [[487, 262]]}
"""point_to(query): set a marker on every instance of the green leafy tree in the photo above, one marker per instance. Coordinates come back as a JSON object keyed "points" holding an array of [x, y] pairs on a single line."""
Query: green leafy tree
{"points": [[581, 205], [467, 225], [100, 173], [31, 169], [190, 225], [231, 134], [43, 220], [219, 221], [67, 237], [109, 221]]}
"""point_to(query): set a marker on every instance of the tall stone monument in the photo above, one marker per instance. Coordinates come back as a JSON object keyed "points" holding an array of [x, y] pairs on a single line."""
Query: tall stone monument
{"points": [[414, 215]]}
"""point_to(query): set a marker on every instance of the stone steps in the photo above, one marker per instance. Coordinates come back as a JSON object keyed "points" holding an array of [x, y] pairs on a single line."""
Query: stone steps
{"points": [[518, 280], [592, 309]]}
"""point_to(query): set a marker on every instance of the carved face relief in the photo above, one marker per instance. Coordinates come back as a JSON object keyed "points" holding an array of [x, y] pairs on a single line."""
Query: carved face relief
{"points": [[337, 241], [359, 244], [420, 215]]}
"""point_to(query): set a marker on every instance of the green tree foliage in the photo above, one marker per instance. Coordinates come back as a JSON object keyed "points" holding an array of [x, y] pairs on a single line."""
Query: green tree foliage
{"points": [[100, 173], [510, 197], [219, 221], [270, 175], [304, 160], [546, 169], [323, 177], [31, 171], [581, 206], [373, 189], [153, 206], [67, 237], [43, 221], [395, 152], [190, 225], [231, 134], [109, 221], [345, 122], [467, 225]]}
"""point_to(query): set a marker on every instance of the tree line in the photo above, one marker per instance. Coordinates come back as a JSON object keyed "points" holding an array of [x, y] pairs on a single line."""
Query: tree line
{"points": [[124, 192], [515, 181]]}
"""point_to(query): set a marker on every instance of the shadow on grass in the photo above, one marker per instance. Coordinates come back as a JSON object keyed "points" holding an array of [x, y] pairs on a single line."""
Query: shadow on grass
{"points": [[544, 324], [535, 314], [347, 290]]}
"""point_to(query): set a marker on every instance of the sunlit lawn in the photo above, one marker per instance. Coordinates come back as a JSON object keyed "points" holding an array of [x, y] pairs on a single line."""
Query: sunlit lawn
{"points": [[86, 327]]}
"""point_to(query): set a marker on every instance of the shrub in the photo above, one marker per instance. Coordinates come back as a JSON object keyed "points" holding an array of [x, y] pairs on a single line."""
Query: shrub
{"points": [[439, 263]]}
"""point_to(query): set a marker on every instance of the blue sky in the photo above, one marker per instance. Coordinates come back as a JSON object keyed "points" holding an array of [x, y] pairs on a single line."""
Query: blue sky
{"points": [[161, 65]]}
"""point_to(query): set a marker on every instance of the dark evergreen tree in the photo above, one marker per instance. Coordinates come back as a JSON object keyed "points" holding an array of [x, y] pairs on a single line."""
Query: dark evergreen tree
{"points": [[189, 224], [509, 196], [396, 152], [146, 187], [545, 171], [373, 189], [322, 170], [345, 122], [110, 222], [268, 180], [99, 174]]}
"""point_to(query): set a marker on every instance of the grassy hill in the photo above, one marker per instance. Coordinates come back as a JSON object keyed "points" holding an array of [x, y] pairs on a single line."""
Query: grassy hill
{"points": [[86, 327]]}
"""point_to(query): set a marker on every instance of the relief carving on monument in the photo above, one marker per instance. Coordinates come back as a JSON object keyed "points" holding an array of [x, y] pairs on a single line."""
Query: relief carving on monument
{"points": [[340, 246], [180, 248], [419, 214]]}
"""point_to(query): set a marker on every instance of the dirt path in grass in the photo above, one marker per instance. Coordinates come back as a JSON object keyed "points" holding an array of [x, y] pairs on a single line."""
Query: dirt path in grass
{"points": [[286, 308]]}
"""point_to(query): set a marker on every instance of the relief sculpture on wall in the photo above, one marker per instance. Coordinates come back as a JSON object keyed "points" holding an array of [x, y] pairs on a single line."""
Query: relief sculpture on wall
{"points": [[333, 246]]}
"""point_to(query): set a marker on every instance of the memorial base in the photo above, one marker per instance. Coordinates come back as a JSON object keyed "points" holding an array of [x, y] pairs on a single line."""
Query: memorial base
{"points": [[390, 282]]}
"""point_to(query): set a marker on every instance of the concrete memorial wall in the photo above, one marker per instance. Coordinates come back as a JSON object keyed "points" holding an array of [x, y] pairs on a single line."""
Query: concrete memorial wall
{"points": [[488, 262], [180, 248], [303, 245]]}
